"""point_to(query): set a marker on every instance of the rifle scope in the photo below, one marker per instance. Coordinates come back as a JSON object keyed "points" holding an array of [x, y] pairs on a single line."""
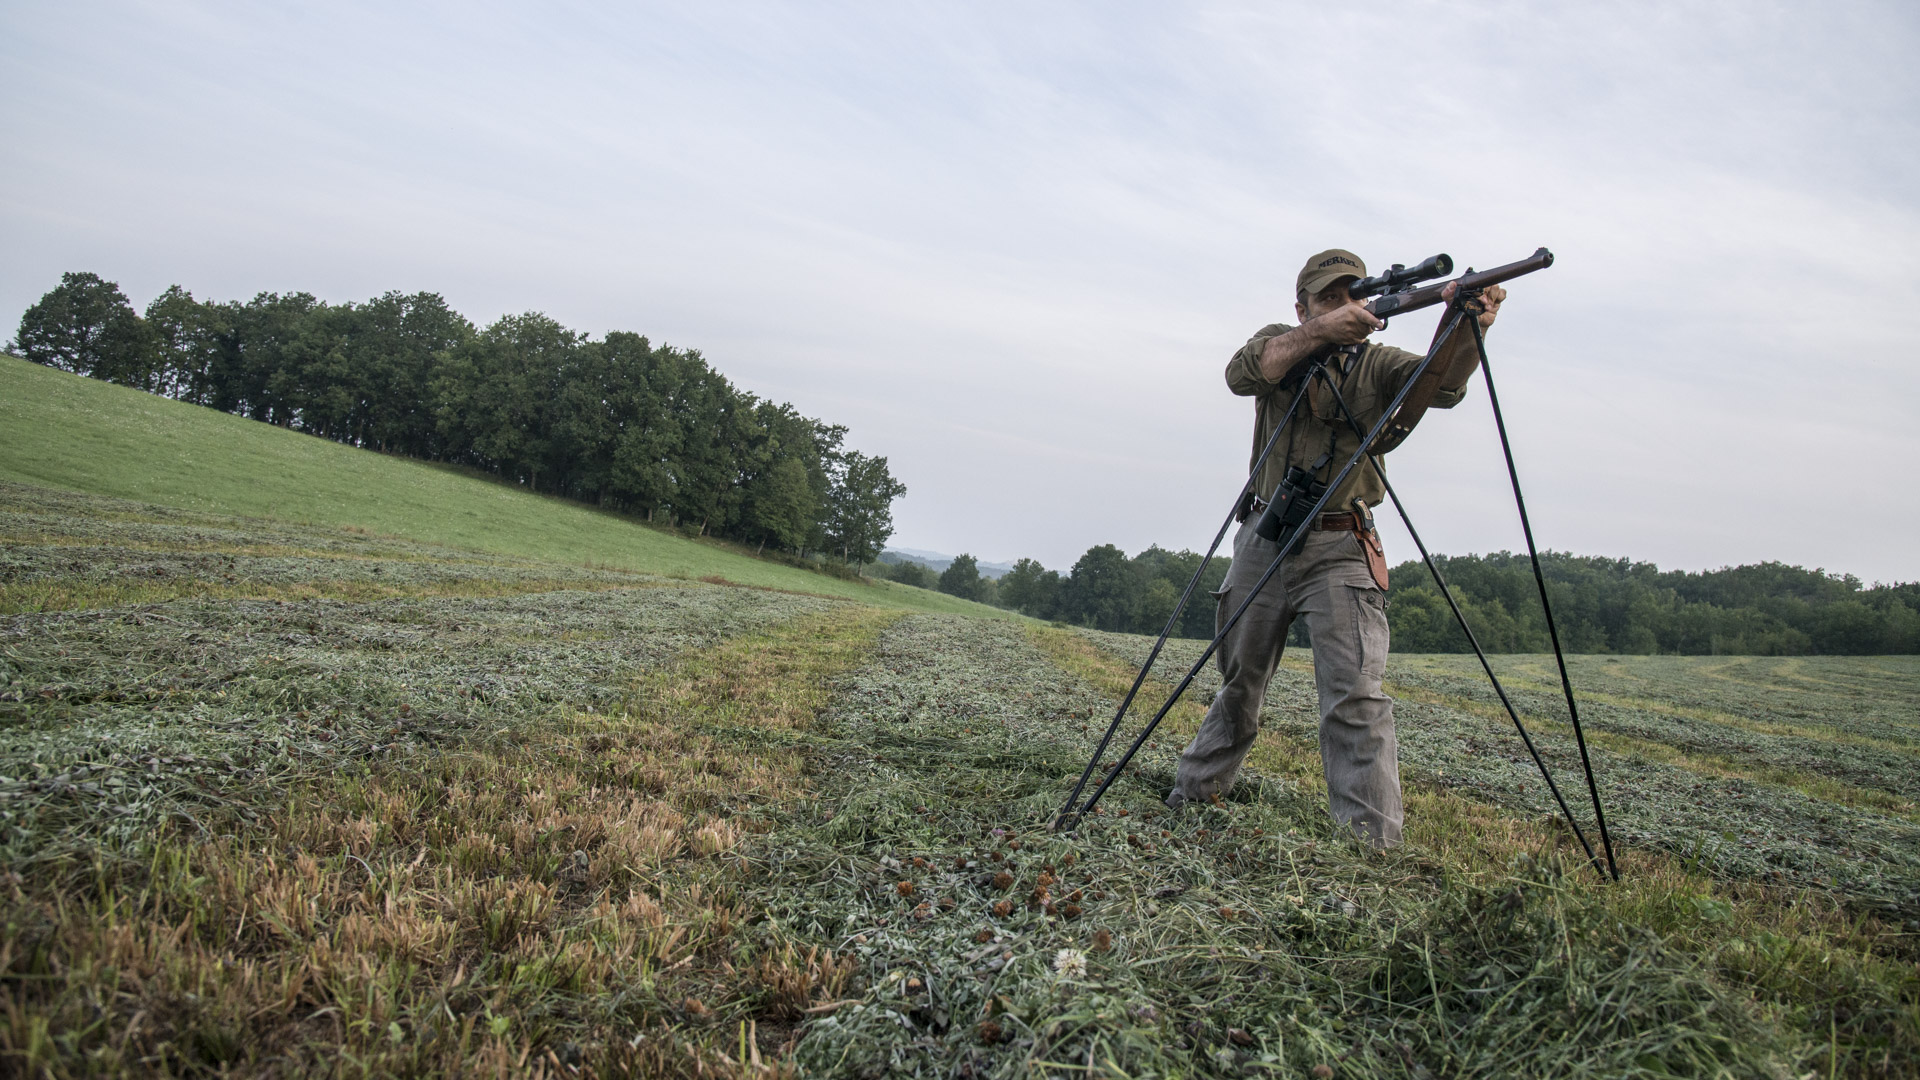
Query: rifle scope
{"points": [[1400, 276]]}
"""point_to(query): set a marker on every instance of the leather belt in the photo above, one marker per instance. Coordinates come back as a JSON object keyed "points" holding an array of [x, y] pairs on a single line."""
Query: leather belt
{"points": [[1345, 521]]}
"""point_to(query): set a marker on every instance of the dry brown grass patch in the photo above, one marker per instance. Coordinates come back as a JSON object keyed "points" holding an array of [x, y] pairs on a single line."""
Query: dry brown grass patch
{"points": [[543, 904]]}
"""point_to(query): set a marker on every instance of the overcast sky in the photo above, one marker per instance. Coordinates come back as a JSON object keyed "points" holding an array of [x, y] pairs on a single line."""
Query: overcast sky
{"points": [[1012, 245]]}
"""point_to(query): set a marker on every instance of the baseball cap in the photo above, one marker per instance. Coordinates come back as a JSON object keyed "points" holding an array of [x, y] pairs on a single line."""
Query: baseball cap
{"points": [[1327, 267]]}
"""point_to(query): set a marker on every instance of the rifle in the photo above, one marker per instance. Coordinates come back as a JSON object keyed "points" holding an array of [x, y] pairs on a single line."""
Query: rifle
{"points": [[1394, 294]]}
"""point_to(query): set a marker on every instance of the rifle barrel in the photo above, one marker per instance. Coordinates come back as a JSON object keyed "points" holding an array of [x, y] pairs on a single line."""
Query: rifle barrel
{"points": [[1429, 295]]}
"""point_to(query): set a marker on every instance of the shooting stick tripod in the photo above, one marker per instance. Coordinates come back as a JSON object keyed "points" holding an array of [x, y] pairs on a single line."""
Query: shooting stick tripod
{"points": [[1457, 313]]}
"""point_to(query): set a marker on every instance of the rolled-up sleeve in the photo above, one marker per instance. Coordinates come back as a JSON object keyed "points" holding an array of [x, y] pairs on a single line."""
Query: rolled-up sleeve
{"points": [[1243, 371]]}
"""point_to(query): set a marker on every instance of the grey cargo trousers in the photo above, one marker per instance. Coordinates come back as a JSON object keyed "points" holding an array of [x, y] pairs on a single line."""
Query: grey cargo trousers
{"points": [[1326, 582]]}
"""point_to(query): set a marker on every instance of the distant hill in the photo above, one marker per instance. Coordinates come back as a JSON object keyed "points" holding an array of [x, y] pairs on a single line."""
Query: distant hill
{"points": [[937, 562]]}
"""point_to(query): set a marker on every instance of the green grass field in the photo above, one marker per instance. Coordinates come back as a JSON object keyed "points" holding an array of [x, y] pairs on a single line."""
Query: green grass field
{"points": [[64, 431], [280, 797]]}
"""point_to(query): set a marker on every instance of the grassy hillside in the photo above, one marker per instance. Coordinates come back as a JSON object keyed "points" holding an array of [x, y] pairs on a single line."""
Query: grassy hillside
{"points": [[80, 434]]}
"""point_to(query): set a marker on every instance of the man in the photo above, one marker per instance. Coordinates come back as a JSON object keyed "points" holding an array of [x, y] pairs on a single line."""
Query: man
{"points": [[1330, 579]]}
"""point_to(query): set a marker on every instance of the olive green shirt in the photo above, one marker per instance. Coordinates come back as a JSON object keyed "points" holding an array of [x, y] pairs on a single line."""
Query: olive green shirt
{"points": [[1369, 386]]}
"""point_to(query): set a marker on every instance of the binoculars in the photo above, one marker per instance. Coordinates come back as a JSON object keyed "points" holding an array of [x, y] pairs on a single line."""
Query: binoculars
{"points": [[1292, 501]]}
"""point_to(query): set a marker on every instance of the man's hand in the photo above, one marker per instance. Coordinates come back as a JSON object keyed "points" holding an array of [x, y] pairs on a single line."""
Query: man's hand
{"points": [[1328, 318], [1459, 357], [1348, 324], [1489, 301]]}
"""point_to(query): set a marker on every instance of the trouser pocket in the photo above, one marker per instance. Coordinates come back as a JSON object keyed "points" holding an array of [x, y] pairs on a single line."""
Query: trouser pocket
{"points": [[1370, 637]]}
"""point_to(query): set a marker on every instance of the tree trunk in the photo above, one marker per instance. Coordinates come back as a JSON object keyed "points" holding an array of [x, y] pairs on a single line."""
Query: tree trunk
{"points": [[762, 547]]}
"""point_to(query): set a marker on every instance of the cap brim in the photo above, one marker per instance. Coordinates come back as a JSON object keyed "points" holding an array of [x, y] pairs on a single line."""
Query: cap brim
{"points": [[1325, 278]]}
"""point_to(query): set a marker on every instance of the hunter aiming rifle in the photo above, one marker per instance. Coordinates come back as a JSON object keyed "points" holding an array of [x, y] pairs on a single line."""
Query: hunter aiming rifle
{"points": [[1301, 498]]}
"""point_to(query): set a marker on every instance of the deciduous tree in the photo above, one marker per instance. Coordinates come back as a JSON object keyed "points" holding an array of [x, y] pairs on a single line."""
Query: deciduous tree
{"points": [[860, 506], [86, 326], [1101, 590], [961, 578], [1031, 589]]}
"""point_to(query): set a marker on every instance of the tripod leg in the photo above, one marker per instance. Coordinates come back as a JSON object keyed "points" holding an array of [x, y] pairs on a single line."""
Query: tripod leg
{"points": [[1460, 618], [1546, 606], [1507, 703], [1247, 661], [1066, 812]]}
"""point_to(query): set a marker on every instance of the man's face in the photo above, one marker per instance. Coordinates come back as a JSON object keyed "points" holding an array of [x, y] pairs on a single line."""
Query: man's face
{"points": [[1331, 298]]}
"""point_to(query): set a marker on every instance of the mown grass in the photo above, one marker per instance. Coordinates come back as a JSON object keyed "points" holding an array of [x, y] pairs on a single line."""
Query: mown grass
{"points": [[79, 596], [558, 898], [1694, 760], [1812, 964], [515, 817], [821, 847], [1788, 809], [1254, 938], [1864, 701], [64, 431]]}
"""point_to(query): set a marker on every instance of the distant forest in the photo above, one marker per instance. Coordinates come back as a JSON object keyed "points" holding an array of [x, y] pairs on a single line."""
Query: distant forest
{"points": [[645, 429], [1601, 605]]}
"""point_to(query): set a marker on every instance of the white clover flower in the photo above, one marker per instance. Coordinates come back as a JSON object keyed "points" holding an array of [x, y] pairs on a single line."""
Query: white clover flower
{"points": [[1070, 964]]}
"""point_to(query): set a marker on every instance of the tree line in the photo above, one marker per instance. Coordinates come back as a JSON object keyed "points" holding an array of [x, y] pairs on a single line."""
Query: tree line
{"points": [[644, 429], [1604, 605], [1104, 590], [1600, 605]]}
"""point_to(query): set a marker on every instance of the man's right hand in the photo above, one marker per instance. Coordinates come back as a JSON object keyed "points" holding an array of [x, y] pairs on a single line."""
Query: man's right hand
{"points": [[1348, 324]]}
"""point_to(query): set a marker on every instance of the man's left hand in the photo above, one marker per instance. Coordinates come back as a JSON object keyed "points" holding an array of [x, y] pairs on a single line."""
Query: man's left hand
{"points": [[1489, 301]]}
